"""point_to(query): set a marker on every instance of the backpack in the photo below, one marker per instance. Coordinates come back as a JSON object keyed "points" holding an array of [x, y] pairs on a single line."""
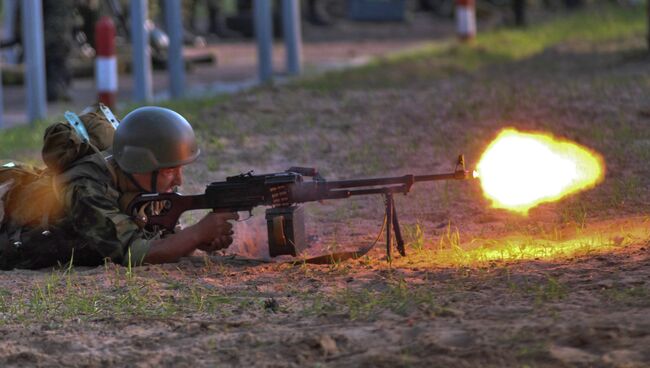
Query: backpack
{"points": [[27, 196], [63, 144], [30, 196]]}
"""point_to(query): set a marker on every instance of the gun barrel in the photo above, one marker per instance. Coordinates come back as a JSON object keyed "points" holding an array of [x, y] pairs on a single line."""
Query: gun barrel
{"points": [[356, 183], [457, 175]]}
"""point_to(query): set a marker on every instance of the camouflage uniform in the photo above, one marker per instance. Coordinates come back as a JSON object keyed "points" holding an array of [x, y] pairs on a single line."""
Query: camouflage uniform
{"points": [[93, 229]]}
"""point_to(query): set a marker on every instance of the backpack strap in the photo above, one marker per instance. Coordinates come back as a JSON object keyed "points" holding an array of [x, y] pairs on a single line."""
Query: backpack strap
{"points": [[78, 126], [108, 114]]}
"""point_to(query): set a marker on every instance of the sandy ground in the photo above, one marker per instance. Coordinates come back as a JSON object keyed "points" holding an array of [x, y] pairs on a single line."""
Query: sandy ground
{"points": [[586, 311]]}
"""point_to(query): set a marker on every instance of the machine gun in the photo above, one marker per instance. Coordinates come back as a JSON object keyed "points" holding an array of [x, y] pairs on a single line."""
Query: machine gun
{"points": [[284, 191]]}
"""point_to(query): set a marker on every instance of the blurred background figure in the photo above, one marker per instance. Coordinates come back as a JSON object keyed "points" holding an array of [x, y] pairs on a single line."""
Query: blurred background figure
{"points": [[214, 12], [58, 25], [574, 4], [87, 15], [519, 12]]}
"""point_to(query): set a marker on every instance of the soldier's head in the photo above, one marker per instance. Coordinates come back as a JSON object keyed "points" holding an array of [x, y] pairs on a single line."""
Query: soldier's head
{"points": [[151, 145]]}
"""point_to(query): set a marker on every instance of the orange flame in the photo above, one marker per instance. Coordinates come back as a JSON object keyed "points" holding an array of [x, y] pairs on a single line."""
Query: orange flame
{"points": [[519, 170]]}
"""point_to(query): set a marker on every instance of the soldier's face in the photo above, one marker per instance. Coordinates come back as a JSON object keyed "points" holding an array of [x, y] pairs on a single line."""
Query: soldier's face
{"points": [[166, 180], [169, 178]]}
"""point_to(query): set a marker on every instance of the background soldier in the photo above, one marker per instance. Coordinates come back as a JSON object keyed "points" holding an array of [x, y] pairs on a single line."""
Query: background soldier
{"points": [[58, 24]]}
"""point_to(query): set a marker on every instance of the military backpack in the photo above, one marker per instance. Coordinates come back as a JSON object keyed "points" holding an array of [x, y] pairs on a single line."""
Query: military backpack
{"points": [[29, 197]]}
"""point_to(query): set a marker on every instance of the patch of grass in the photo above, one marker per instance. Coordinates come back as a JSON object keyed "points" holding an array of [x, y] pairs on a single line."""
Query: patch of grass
{"points": [[596, 25], [23, 143], [532, 351], [64, 295], [574, 212], [398, 297], [507, 45], [206, 300], [320, 305], [414, 236], [625, 190], [552, 290], [190, 108], [450, 239], [367, 304], [548, 291], [637, 296], [448, 250]]}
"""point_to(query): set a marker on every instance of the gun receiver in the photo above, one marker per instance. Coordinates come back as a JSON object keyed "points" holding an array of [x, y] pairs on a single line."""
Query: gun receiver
{"points": [[283, 191]]}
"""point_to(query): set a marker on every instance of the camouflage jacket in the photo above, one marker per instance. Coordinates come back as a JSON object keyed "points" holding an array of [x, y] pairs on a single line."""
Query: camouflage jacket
{"points": [[93, 227]]}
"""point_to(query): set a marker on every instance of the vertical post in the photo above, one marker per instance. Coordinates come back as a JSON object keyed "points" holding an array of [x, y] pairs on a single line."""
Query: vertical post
{"points": [[648, 22], [142, 90], [292, 35], [32, 16], [8, 25], [466, 19], [105, 62], [9, 12], [175, 62], [263, 24], [2, 104]]}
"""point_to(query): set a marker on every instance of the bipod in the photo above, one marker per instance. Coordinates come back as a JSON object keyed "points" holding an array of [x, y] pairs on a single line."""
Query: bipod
{"points": [[392, 225]]}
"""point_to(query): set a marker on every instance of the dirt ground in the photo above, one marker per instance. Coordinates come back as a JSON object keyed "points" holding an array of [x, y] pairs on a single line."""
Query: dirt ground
{"points": [[566, 286], [583, 311]]}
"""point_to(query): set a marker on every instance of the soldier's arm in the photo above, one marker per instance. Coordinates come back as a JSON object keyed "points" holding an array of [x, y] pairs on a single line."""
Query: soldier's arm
{"points": [[97, 218], [211, 233]]}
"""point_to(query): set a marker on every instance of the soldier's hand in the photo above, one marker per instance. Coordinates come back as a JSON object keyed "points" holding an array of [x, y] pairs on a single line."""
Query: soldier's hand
{"points": [[216, 231], [220, 242]]}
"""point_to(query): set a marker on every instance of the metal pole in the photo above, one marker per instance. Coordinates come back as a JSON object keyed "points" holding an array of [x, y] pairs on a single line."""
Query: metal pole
{"points": [[142, 89], [175, 62], [9, 12], [9, 8], [292, 35], [32, 16], [264, 35], [2, 110]]}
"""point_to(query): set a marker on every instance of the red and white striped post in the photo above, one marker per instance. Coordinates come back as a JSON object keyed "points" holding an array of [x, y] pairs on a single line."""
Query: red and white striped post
{"points": [[466, 19], [105, 61]]}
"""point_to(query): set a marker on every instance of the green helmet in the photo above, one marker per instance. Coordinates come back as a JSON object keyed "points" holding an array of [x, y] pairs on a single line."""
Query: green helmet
{"points": [[152, 138]]}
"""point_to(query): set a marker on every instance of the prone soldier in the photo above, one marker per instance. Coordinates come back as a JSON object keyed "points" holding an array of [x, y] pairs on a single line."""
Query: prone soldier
{"points": [[150, 148]]}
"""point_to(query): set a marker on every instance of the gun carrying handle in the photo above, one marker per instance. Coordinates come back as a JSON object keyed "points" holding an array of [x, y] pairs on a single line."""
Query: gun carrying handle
{"points": [[304, 171]]}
